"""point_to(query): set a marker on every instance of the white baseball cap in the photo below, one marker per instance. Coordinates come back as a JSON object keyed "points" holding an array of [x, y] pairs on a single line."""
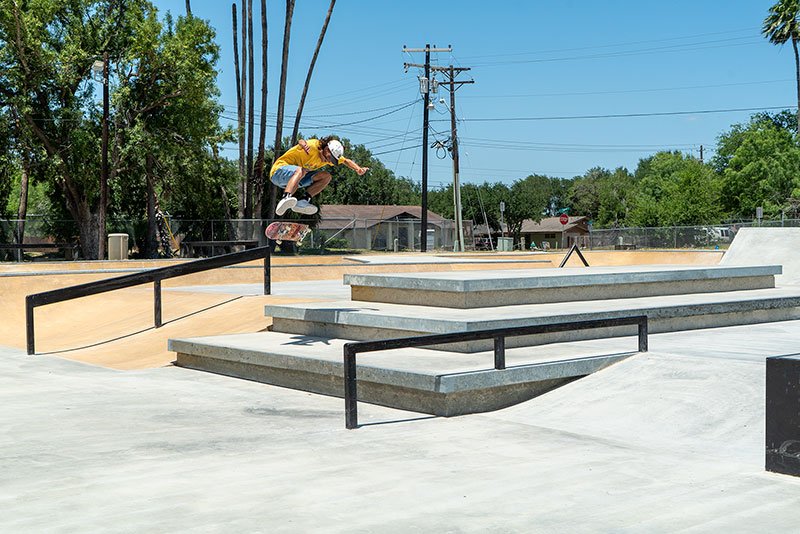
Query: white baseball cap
{"points": [[336, 148]]}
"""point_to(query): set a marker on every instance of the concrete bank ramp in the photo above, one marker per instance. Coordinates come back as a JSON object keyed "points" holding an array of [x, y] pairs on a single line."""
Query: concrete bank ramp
{"points": [[695, 404], [767, 246]]}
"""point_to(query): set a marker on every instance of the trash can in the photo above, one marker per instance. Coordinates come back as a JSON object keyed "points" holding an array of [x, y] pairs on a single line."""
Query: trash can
{"points": [[117, 246], [505, 244]]}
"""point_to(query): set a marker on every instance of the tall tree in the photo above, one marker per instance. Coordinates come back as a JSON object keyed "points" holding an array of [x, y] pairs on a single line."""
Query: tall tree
{"points": [[277, 148], [760, 166], [248, 205], [782, 25], [528, 199], [240, 111], [260, 167], [302, 103]]}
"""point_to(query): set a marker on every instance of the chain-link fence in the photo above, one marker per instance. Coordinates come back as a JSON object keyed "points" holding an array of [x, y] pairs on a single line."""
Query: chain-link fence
{"points": [[676, 237], [183, 237], [343, 233]]}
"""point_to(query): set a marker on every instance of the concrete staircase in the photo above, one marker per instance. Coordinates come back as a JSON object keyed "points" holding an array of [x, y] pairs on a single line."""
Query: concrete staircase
{"points": [[304, 350]]}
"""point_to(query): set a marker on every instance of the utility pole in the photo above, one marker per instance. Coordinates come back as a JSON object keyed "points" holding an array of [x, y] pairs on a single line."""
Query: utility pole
{"points": [[424, 87], [452, 85], [701, 153]]}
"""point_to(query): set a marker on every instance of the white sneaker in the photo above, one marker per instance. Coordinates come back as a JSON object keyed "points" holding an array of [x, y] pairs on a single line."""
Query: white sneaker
{"points": [[305, 207], [285, 204]]}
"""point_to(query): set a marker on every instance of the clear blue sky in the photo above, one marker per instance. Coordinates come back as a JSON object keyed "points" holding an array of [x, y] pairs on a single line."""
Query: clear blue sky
{"points": [[533, 60]]}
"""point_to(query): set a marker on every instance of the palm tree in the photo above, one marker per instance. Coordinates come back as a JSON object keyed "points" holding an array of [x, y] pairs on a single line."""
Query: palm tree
{"points": [[259, 172], [300, 106], [287, 30], [781, 26], [239, 110], [248, 206]]}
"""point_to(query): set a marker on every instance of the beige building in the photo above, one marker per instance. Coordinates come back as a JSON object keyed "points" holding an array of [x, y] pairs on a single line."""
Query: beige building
{"points": [[550, 233], [377, 227]]}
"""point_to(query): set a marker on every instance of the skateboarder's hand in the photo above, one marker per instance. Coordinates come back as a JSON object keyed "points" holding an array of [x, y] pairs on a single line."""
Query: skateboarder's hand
{"points": [[303, 145], [361, 171]]}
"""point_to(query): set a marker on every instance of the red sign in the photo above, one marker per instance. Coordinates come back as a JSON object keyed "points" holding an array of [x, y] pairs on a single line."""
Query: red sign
{"points": [[564, 219]]}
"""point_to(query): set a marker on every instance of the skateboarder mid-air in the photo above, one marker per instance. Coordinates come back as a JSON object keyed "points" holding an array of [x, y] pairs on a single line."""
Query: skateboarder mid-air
{"points": [[301, 166]]}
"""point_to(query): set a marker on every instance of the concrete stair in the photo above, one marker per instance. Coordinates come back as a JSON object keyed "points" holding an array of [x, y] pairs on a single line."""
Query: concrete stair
{"points": [[420, 380], [304, 350]]}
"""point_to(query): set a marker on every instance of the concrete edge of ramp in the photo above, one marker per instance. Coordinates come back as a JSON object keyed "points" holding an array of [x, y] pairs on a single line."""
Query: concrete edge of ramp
{"points": [[420, 380], [761, 246]]}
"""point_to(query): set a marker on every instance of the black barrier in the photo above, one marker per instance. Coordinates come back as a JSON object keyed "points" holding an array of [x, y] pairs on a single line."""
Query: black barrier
{"points": [[575, 249], [129, 280], [498, 334]]}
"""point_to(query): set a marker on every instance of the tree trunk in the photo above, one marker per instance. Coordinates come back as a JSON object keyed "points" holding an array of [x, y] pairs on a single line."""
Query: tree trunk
{"points": [[22, 209], [151, 244], [259, 174], [797, 78], [296, 130], [239, 110], [188, 8], [287, 30], [248, 207]]}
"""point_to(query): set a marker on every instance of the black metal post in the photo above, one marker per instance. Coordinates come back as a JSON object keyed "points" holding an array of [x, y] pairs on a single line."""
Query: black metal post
{"points": [[350, 388], [643, 334], [267, 273], [500, 353], [157, 302], [29, 332]]}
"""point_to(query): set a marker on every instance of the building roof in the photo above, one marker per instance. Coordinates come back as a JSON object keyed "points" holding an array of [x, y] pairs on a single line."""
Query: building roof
{"points": [[337, 216], [553, 225], [547, 225]]}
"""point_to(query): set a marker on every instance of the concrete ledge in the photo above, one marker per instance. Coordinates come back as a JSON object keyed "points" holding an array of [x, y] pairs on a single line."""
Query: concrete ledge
{"points": [[363, 321], [501, 288], [444, 384]]}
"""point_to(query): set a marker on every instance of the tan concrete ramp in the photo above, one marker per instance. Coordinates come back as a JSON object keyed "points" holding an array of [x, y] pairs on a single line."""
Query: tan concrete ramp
{"points": [[767, 246]]}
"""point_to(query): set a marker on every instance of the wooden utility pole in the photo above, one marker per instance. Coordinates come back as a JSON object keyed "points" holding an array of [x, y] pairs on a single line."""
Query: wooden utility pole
{"points": [[426, 96], [451, 84]]}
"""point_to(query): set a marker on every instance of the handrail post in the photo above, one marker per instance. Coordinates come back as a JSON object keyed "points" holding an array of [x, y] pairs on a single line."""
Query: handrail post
{"points": [[643, 334], [350, 388], [500, 353], [267, 273], [29, 332], [157, 302]]}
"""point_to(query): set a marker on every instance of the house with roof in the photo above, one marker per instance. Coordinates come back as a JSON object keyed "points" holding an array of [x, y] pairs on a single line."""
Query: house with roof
{"points": [[550, 233], [376, 227]]}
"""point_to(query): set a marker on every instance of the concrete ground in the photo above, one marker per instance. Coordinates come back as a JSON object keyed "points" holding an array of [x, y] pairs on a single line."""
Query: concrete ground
{"points": [[670, 441]]}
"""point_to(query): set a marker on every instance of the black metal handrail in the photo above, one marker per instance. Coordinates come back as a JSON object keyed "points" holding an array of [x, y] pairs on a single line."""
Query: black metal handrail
{"points": [[572, 249], [130, 280], [499, 335]]}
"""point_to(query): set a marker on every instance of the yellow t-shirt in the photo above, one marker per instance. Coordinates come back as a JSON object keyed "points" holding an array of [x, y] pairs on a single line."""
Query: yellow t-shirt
{"points": [[297, 156]]}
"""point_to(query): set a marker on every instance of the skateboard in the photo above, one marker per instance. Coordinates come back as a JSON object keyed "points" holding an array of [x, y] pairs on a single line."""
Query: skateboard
{"points": [[287, 231]]}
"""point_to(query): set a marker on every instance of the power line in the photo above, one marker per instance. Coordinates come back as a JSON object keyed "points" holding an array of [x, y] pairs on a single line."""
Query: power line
{"points": [[613, 45], [622, 115]]}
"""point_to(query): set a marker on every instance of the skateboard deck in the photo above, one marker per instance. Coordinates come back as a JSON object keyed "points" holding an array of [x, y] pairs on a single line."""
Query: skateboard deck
{"points": [[287, 231]]}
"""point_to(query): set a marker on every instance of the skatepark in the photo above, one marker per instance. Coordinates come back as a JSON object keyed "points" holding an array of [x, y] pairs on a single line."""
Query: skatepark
{"points": [[579, 432]]}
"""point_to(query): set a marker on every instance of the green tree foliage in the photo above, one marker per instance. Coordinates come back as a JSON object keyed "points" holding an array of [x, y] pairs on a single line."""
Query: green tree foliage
{"points": [[528, 199], [602, 195], [378, 186], [674, 190], [760, 166], [781, 26], [162, 82]]}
